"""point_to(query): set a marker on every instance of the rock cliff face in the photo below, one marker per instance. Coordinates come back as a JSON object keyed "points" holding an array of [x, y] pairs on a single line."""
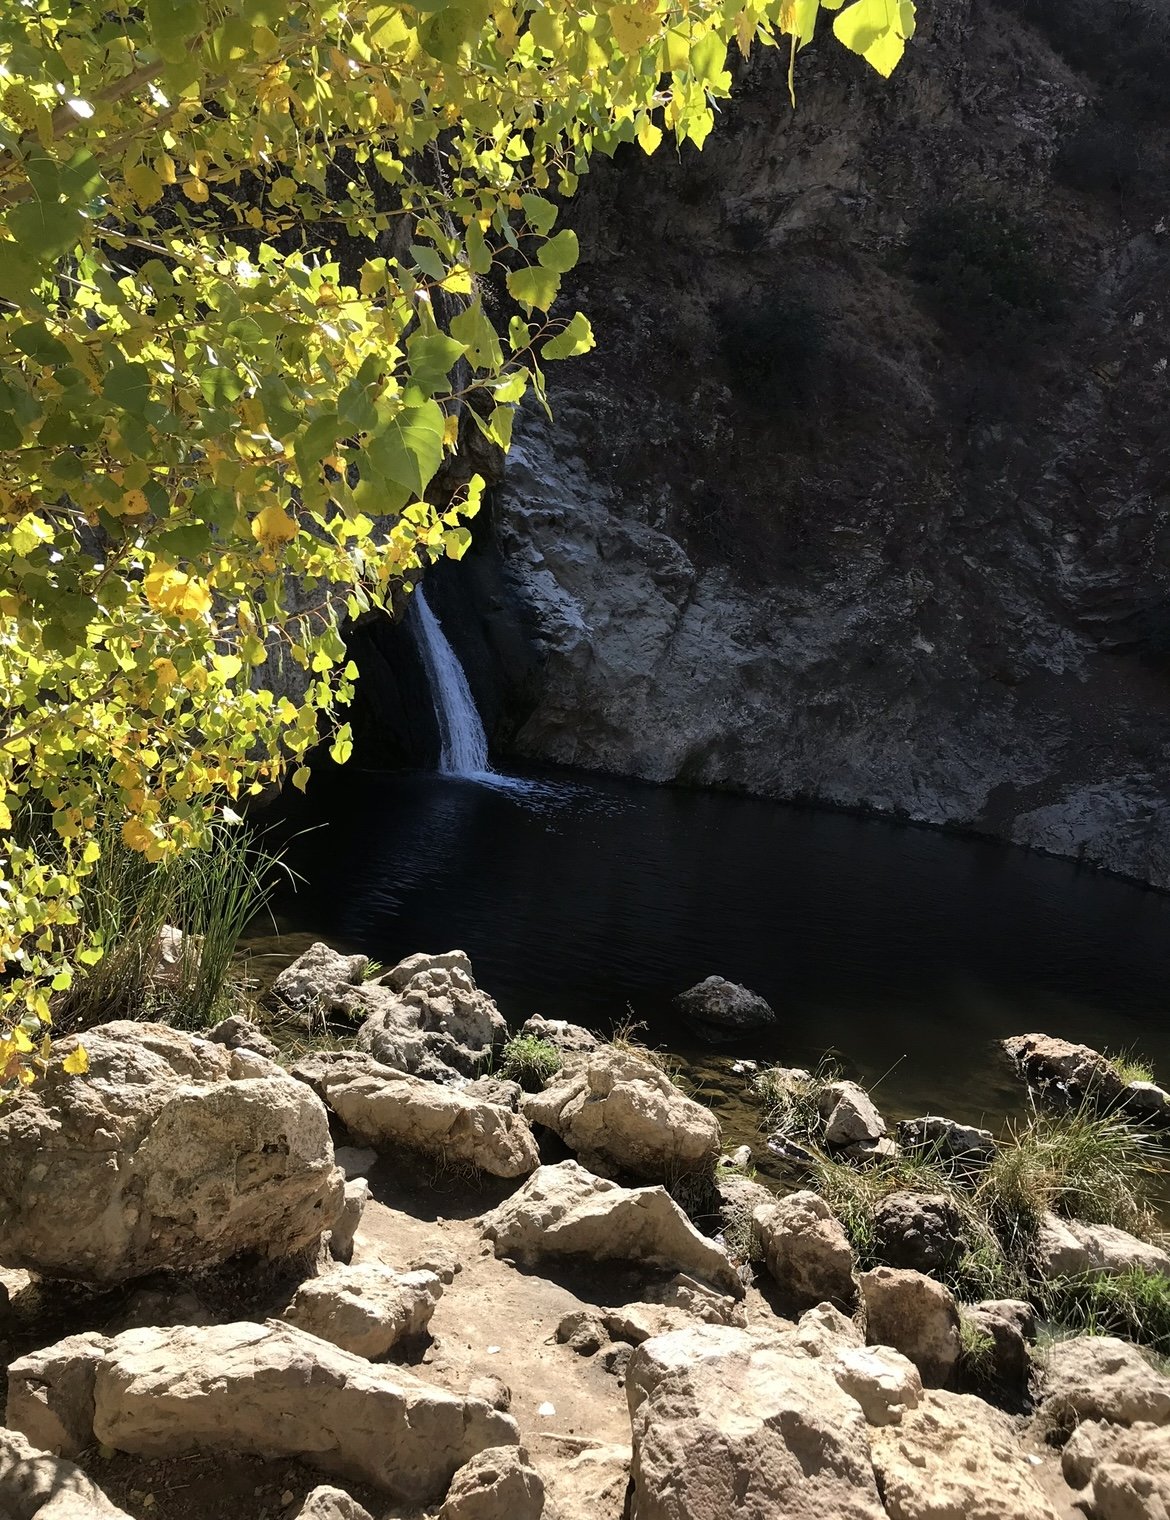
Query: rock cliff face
{"points": [[863, 496]]}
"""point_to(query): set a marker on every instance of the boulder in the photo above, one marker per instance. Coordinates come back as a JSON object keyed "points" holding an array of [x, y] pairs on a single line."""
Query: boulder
{"points": [[956, 1458], [947, 1141], [1004, 1371], [729, 1421], [328, 1503], [717, 1009], [430, 1006], [915, 1315], [635, 1323], [1146, 1102], [1099, 1377], [169, 1153], [1061, 1070], [309, 984], [341, 1236], [583, 1331], [35, 1484], [884, 1382], [1129, 1469], [569, 1039], [565, 1211], [366, 1309], [1068, 1248], [591, 1485], [850, 1115], [823, 1331], [393, 1111], [620, 1112], [921, 1231], [806, 1251], [355, 1160], [497, 1484], [269, 1390], [239, 1033], [697, 1301]]}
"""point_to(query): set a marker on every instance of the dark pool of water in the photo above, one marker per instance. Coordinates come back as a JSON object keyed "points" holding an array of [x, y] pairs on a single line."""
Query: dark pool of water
{"points": [[908, 951]]}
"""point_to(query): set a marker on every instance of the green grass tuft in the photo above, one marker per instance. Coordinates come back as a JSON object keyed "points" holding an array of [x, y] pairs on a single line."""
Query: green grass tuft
{"points": [[790, 1103], [530, 1061], [1130, 1066], [1134, 1304]]}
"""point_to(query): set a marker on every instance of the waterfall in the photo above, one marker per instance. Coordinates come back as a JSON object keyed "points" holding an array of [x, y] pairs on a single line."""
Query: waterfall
{"points": [[464, 750]]}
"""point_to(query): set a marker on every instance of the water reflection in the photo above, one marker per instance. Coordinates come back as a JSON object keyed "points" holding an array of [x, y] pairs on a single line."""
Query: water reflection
{"points": [[909, 951]]}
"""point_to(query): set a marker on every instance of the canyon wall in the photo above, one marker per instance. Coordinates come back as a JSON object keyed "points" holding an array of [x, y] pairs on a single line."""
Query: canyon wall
{"points": [[863, 496]]}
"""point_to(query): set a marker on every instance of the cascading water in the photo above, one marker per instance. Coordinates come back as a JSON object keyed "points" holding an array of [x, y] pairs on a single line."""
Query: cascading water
{"points": [[463, 743]]}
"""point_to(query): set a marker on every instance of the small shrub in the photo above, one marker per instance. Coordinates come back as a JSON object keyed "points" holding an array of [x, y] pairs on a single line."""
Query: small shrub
{"points": [[531, 1062], [985, 274], [976, 1350], [1133, 1304], [1090, 1166], [374, 969], [1130, 1066]]}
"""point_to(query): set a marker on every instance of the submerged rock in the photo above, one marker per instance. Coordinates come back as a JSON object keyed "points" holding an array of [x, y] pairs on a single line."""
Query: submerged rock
{"points": [[618, 1111], [565, 1211], [169, 1153], [270, 1389], [717, 1009]]}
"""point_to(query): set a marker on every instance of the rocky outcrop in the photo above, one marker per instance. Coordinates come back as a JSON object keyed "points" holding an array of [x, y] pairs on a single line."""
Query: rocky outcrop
{"points": [[391, 1111], [170, 1152], [917, 1316], [35, 1485], [497, 1484], [886, 529], [366, 1309], [806, 1252], [717, 1009], [1069, 1248], [617, 1111], [269, 1389], [728, 1420], [954, 1456], [564, 1211], [1098, 1377]]}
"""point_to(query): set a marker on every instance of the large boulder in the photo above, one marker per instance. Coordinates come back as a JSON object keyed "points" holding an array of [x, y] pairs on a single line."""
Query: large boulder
{"points": [[170, 1152], [956, 1458], [269, 1390], [620, 1112], [1068, 1248], [917, 1316], [34, 1485], [498, 1484], [806, 1251], [1099, 1377], [737, 1422], [366, 1309], [717, 1009], [565, 1211], [392, 1111], [921, 1231], [1061, 1070]]}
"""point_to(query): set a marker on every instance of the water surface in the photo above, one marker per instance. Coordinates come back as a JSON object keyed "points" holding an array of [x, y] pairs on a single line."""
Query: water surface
{"points": [[907, 950]]}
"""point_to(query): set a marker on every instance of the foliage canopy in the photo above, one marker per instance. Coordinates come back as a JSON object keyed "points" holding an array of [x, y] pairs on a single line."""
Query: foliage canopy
{"points": [[218, 434]]}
